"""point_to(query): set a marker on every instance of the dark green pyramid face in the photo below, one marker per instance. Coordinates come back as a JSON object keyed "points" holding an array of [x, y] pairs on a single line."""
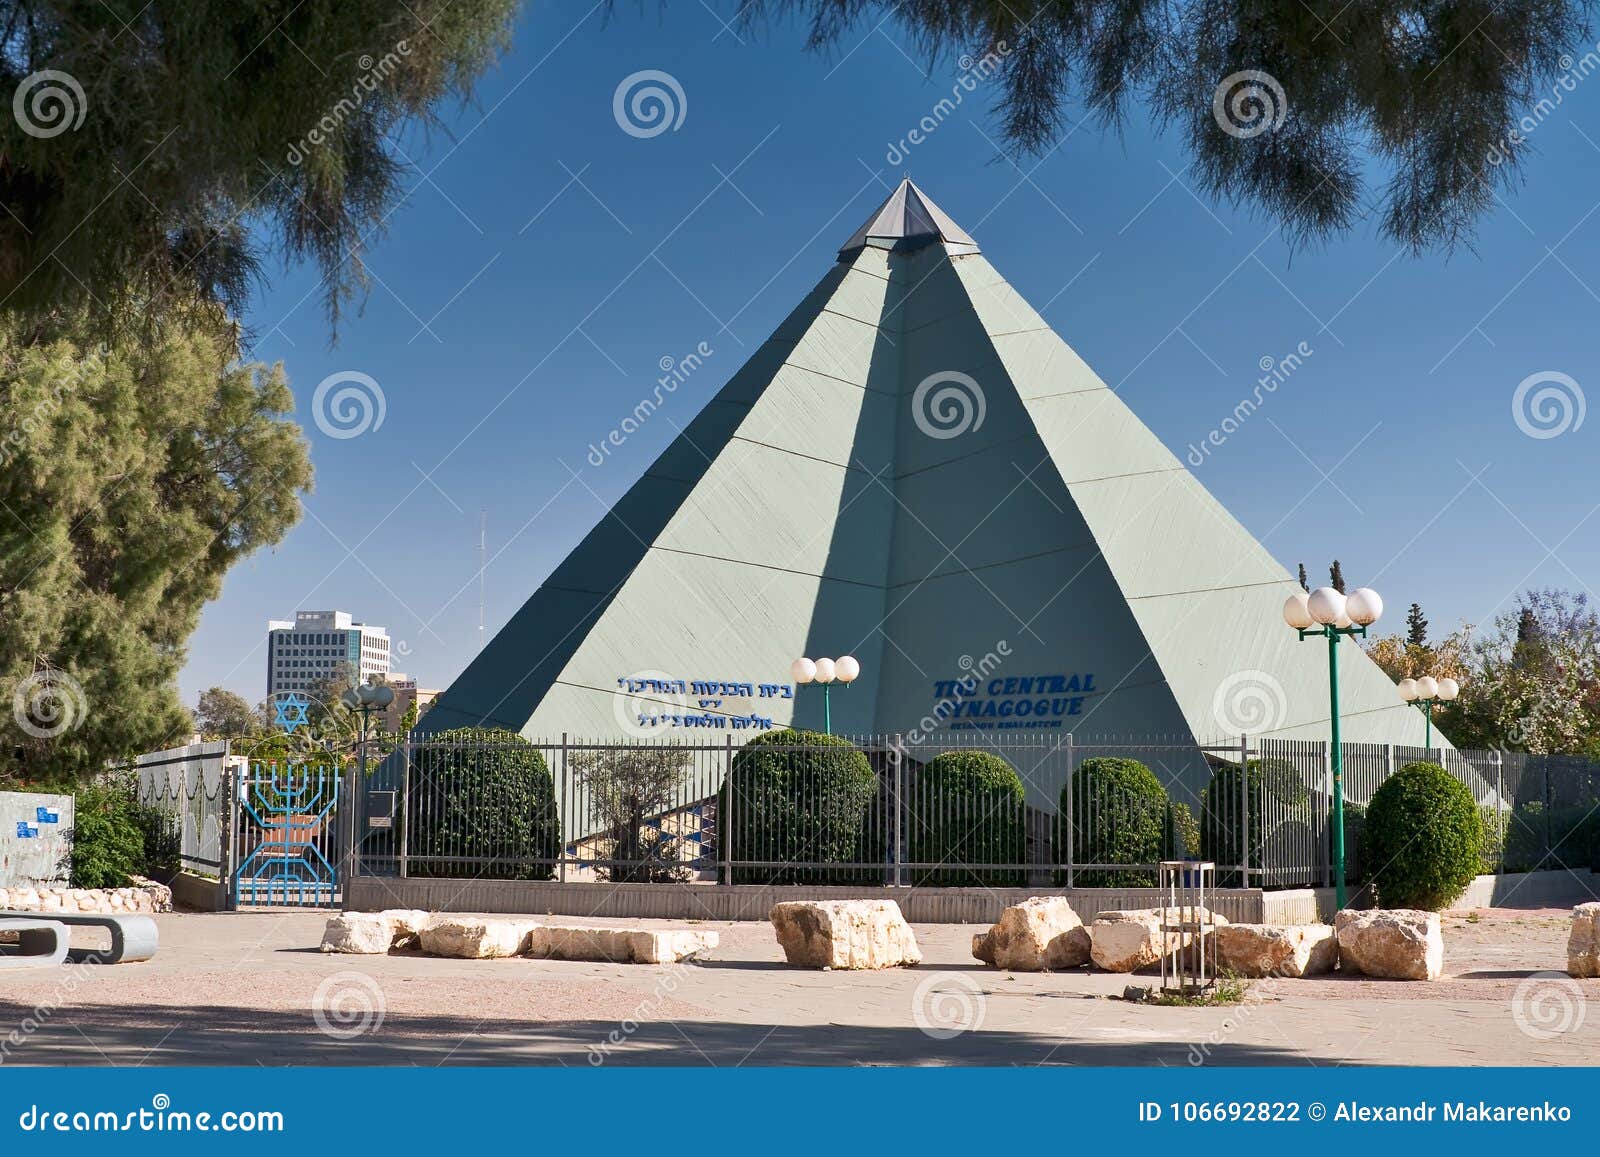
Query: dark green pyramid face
{"points": [[914, 470]]}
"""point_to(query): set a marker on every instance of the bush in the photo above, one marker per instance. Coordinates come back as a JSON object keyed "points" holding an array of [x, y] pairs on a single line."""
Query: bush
{"points": [[1276, 794], [628, 792], [107, 834], [1118, 811], [483, 806], [967, 809], [801, 809], [1423, 837]]}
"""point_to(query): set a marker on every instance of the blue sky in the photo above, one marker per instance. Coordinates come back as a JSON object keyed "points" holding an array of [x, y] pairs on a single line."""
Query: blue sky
{"points": [[545, 262]]}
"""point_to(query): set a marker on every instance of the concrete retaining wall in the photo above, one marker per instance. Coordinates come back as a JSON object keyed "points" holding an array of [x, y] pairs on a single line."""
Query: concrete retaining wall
{"points": [[198, 893], [746, 901]]}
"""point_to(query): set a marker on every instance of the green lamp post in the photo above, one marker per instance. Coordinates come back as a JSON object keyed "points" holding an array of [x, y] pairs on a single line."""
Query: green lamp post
{"points": [[1425, 692], [826, 671], [1325, 613]]}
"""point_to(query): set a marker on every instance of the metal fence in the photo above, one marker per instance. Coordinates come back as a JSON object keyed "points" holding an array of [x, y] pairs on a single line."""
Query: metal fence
{"points": [[189, 784], [872, 810]]}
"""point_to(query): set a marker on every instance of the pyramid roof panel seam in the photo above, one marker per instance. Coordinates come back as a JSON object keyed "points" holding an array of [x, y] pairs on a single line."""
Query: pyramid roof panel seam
{"points": [[841, 381], [933, 576], [1287, 578], [833, 578]]}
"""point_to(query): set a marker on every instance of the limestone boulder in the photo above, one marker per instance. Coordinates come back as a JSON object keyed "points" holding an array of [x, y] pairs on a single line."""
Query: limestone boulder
{"points": [[1126, 941], [1041, 934], [852, 934], [619, 945], [475, 937], [407, 924], [1294, 950], [373, 932], [1583, 943], [366, 933], [1394, 943]]}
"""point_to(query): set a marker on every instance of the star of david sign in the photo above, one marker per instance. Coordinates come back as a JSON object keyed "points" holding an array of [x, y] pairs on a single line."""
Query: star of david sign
{"points": [[289, 712]]}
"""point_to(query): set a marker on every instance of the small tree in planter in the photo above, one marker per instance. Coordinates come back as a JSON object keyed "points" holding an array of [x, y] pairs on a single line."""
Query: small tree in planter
{"points": [[1423, 838], [627, 790]]}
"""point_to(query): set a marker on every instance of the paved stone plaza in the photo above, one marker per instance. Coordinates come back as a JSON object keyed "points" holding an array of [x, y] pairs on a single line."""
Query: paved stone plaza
{"points": [[241, 988]]}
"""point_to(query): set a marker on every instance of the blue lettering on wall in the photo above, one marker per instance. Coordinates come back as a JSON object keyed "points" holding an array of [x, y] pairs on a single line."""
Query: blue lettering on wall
{"points": [[1011, 701]]}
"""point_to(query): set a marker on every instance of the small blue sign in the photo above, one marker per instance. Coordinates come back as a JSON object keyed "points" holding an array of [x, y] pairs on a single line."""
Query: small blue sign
{"points": [[26, 831], [47, 815]]}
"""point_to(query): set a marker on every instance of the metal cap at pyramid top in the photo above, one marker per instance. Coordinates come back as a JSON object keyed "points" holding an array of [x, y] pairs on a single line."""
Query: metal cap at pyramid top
{"points": [[909, 220]]}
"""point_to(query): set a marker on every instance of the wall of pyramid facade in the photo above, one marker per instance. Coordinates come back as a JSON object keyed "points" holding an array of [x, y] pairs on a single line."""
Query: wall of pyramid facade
{"points": [[1008, 551]]}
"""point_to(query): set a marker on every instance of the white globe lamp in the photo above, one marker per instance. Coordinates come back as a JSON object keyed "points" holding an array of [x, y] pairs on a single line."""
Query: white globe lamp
{"points": [[1364, 606], [1427, 687], [1326, 606], [846, 669], [1408, 689], [803, 670], [1295, 611], [1448, 689]]}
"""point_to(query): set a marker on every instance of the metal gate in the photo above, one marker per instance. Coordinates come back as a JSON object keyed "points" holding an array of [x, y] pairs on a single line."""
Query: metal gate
{"points": [[286, 838]]}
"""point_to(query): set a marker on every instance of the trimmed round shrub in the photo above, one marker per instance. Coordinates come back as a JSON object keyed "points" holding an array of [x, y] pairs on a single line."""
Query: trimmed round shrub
{"points": [[1423, 837], [967, 808], [483, 805], [1231, 824], [802, 804], [1118, 811]]}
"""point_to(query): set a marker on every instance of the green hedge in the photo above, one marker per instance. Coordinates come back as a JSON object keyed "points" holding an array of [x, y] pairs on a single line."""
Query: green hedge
{"points": [[1119, 815], [966, 808], [802, 811], [1423, 838], [482, 792]]}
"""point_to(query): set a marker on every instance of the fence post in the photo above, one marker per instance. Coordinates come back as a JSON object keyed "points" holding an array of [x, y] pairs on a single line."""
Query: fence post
{"points": [[1067, 821], [1244, 808], [404, 810], [227, 805], [896, 851], [349, 807], [561, 820], [725, 822]]}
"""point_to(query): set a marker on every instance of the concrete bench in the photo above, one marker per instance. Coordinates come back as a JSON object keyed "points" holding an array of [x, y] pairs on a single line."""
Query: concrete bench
{"points": [[40, 943], [133, 938]]}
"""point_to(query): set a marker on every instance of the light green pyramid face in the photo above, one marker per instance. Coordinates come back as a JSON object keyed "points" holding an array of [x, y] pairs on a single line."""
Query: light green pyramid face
{"points": [[915, 470]]}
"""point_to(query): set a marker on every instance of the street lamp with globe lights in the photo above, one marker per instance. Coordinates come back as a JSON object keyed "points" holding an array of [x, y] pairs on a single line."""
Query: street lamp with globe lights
{"points": [[826, 671], [1427, 691], [366, 699], [1327, 613]]}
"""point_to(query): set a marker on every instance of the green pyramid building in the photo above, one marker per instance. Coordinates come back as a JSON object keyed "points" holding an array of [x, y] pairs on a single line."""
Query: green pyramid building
{"points": [[915, 470]]}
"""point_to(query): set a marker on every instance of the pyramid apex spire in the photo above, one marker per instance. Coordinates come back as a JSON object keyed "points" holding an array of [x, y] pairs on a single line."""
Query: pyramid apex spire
{"points": [[908, 219]]}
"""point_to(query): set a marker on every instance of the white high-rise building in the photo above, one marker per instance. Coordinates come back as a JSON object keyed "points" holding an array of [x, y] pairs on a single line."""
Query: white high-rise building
{"points": [[315, 646]]}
